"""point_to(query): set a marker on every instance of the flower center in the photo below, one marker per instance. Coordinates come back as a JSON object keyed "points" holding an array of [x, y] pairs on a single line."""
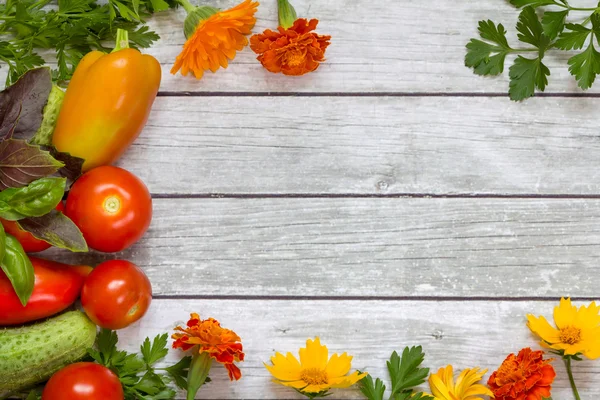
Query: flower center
{"points": [[570, 335], [295, 57], [509, 372], [314, 376]]}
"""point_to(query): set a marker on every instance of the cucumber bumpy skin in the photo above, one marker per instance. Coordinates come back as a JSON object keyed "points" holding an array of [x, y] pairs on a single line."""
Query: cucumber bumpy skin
{"points": [[32, 354]]}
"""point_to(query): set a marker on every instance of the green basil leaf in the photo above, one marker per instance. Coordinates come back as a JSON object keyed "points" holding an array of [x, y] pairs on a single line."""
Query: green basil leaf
{"points": [[22, 163], [56, 229], [2, 242], [37, 199], [18, 268]]}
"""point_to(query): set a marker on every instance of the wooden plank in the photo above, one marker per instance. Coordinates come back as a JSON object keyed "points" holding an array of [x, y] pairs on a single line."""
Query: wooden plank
{"points": [[368, 146], [369, 247], [465, 334], [398, 46]]}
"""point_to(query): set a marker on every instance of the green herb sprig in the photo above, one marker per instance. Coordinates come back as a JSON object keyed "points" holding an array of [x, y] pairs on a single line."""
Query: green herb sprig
{"points": [[405, 374], [137, 372], [71, 27], [538, 35]]}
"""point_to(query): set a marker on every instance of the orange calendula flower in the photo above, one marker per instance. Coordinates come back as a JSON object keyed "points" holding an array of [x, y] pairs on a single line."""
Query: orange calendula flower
{"points": [[215, 37], [293, 51], [526, 376], [223, 345]]}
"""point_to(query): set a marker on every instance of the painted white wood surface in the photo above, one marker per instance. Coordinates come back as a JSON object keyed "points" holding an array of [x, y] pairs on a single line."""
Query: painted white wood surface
{"points": [[392, 46], [465, 334], [371, 247], [372, 145]]}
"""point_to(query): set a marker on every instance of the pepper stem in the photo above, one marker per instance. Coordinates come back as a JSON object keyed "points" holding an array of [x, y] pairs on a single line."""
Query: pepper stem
{"points": [[122, 40], [287, 14], [198, 372], [571, 379], [189, 7]]}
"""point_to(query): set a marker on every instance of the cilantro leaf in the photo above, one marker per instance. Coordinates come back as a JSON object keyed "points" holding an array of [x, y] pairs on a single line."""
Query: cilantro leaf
{"points": [[554, 22], [526, 75], [372, 390], [479, 53], [156, 351], [585, 66], [533, 3], [405, 371], [575, 38]]}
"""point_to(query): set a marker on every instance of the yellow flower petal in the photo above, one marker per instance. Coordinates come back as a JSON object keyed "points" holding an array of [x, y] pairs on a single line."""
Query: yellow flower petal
{"points": [[541, 327], [565, 313], [438, 388], [285, 368], [467, 385], [346, 381], [338, 365], [314, 355]]}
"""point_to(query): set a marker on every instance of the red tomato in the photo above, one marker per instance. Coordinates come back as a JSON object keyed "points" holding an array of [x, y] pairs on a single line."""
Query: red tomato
{"points": [[83, 381], [111, 206], [116, 294], [29, 242]]}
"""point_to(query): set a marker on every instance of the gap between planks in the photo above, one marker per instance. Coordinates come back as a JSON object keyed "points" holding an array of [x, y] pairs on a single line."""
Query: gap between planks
{"points": [[365, 94], [370, 195], [376, 298]]}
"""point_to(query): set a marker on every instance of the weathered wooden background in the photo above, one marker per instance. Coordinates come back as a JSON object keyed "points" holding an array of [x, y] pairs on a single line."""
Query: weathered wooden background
{"points": [[392, 198]]}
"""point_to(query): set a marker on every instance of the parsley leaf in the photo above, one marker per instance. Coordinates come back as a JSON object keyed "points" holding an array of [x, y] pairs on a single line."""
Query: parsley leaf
{"points": [[479, 55], [157, 351], [526, 75], [586, 65], [574, 38], [554, 22], [530, 29], [405, 372], [372, 390], [180, 370]]}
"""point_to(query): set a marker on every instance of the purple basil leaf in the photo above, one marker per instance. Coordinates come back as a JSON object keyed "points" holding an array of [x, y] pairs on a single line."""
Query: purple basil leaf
{"points": [[22, 104], [56, 229], [22, 163]]}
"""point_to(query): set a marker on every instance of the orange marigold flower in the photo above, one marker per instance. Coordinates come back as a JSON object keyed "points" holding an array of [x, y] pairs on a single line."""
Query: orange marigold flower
{"points": [[526, 376], [216, 39], [209, 337], [293, 51]]}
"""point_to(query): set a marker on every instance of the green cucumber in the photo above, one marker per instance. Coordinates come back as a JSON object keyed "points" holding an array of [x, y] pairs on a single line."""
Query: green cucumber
{"points": [[32, 354]]}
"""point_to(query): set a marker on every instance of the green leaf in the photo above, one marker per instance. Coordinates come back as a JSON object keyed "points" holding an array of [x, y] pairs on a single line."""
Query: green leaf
{"points": [[415, 396], [372, 390], [18, 269], [575, 38], [22, 163], [106, 343], [526, 75], [554, 22], [35, 200], [159, 5], [533, 3], [488, 58], [156, 351], [72, 166], [530, 29], [287, 14], [585, 66], [56, 229], [21, 104], [179, 372], [405, 371], [2, 242]]}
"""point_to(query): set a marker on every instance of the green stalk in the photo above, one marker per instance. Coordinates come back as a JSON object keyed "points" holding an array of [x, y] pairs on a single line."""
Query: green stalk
{"points": [[287, 14], [571, 379], [122, 40], [198, 372]]}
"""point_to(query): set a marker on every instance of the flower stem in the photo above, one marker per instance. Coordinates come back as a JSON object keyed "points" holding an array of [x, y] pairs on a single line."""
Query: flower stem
{"points": [[122, 40], [189, 7], [198, 372], [571, 379]]}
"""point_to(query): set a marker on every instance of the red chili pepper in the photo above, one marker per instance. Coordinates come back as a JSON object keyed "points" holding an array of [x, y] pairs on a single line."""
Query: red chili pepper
{"points": [[57, 286]]}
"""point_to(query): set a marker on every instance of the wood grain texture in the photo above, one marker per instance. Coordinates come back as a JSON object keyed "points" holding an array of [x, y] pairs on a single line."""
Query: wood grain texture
{"points": [[369, 247], [394, 46], [465, 334], [383, 145]]}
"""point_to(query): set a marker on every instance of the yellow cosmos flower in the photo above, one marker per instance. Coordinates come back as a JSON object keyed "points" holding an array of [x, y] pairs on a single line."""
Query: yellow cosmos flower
{"points": [[466, 387], [577, 330], [315, 372]]}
